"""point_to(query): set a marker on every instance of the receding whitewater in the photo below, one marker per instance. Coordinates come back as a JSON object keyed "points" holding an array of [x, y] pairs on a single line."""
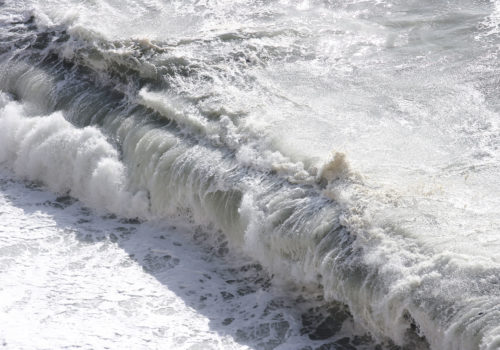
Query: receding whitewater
{"points": [[250, 174]]}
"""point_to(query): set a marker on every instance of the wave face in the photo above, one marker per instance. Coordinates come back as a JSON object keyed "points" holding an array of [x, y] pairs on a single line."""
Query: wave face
{"points": [[349, 144]]}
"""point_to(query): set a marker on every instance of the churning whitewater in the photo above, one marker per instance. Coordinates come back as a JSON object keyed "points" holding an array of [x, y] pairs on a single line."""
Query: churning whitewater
{"points": [[332, 167]]}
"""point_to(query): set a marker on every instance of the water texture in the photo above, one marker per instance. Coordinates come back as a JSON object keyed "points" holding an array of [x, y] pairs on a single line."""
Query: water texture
{"points": [[348, 151]]}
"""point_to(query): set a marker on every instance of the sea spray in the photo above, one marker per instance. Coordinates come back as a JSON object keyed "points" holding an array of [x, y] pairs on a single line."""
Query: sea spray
{"points": [[79, 162], [230, 125]]}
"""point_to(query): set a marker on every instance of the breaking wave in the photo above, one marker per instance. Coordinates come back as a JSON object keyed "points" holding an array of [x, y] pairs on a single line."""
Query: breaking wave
{"points": [[135, 128]]}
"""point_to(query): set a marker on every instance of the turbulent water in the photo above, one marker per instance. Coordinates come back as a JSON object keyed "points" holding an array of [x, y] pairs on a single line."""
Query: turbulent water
{"points": [[333, 166]]}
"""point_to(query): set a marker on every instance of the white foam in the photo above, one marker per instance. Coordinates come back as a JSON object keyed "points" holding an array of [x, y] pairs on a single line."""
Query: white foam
{"points": [[397, 92], [80, 162], [72, 279]]}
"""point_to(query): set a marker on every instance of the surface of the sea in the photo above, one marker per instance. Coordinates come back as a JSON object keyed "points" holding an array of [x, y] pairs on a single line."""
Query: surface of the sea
{"points": [[242, 174]]}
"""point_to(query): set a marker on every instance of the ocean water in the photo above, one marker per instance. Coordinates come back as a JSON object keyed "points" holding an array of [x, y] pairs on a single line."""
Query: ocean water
{"points": [[250, 174]]}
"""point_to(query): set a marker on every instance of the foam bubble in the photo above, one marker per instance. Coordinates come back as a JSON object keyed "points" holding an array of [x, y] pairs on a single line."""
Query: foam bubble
{"points": [[80, 162]]}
